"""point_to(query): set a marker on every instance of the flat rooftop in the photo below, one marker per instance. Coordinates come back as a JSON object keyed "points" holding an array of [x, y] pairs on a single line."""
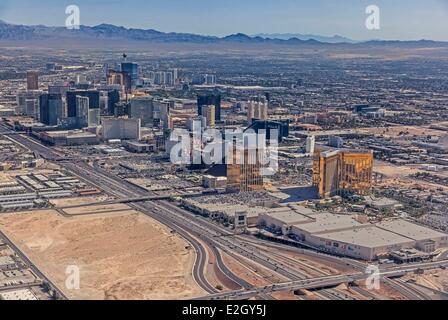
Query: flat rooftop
{"points": [[369, 237], [410, 230], [288, 216], [328, 222]]}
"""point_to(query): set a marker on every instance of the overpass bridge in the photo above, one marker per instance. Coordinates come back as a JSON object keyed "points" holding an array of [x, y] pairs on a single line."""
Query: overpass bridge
{"points": [[324, 282]]}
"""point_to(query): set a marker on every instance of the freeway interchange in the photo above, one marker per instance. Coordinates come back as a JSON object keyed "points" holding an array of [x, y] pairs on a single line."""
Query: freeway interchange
{"points": [[208, 238]]}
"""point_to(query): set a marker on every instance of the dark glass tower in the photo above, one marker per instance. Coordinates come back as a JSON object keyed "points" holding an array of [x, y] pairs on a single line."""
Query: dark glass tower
{"points": [[131, 69], [113, 97], [94, 101], [210, 99], [51, 108]]}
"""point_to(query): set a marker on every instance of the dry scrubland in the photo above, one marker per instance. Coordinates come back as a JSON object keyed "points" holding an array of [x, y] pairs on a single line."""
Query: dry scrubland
{"points": [[121, 255]]}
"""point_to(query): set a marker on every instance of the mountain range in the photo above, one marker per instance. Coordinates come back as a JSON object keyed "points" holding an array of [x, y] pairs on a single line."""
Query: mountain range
{"points": [[12, 32], [287, 36]]}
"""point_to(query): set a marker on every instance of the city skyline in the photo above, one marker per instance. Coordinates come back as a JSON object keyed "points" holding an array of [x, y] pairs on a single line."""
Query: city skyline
{"points": [[411, 20], [164, 151]]}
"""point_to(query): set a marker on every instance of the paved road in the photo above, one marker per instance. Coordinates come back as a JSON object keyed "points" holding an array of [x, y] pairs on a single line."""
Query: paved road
{"points": [[201, 255], [323, 282], [31, 265], [176, 218]]}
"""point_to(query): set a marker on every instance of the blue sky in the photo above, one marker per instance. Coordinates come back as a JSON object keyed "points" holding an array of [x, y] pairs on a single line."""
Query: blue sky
{"points": [[400, 19]]}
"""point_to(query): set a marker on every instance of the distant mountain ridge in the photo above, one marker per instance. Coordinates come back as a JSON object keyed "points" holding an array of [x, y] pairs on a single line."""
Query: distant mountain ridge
{"points": [[305, 37], [14, 32]]}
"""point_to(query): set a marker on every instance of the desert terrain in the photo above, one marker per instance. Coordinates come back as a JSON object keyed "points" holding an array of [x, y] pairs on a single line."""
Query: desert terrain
{"points": [[121, 255]]}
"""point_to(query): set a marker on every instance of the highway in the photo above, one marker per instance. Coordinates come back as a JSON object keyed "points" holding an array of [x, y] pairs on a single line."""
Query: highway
{"points": [[395, 284], [325, 282], [31, 265], [198, 231], [170, 215]]}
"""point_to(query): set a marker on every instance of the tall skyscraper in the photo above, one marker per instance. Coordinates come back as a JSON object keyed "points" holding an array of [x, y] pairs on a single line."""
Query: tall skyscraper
{"points": [[94, 117], [113, 97], [208, 112], [336, 172], [94, 100], [32, 80], [162, 113], [132, 69], [120, 78], [210, 79], [210, 99], [244, 170], [22, 98], [310, 144], [175, 75], [31, 109], [82, 111], [257, 108], [51, 109], [143, 108]]}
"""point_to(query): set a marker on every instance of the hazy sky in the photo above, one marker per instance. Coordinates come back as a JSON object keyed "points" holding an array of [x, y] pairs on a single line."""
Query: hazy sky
{"points": [[400, 19]]}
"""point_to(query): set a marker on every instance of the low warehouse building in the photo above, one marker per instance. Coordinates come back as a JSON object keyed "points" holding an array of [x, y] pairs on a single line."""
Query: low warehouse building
{"points": [[323, 223], [365, 243], [282, 220], [426, 240], [347, 235]]}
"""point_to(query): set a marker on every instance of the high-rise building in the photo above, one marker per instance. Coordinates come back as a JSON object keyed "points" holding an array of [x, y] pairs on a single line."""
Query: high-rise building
{"points": [[50, 66], [245, 169], [257, 108], [161, 113], [52, 109], [210, 79], [120, 78], [94, 100], [122, 109], [94, 117], [310, 144], [168, 78], [175, 75], [22, 98], [208, 113], [31, 109], [113, 97], [142, 108], [210, 99], [272, 129], [32, 80], [82, 111], [121, 128], [338, 172], [132, 69]]}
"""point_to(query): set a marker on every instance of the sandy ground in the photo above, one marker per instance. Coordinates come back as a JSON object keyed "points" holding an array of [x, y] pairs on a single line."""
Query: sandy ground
{"points": [[255, 274], [120, 256], [408, 130], [77, 201], [437, 279], [96, 209], [392, 171]]}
